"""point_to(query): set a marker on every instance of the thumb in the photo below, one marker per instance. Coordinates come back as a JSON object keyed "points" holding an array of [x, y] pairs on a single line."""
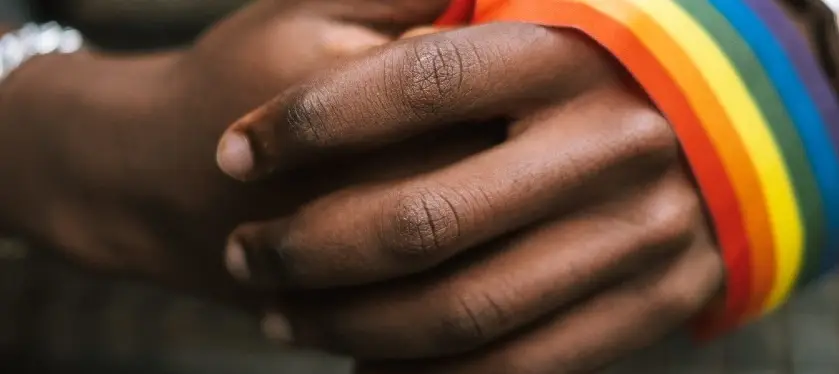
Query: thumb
{"points": [[393, 17]]}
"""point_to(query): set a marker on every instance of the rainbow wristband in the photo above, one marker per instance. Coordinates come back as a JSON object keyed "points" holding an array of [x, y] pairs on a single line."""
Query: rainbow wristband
{"points": [[754, 114]]}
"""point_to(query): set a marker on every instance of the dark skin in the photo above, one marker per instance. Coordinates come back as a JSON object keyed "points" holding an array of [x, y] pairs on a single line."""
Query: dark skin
{"points": [[157, 204], [593, 205], [392, 222]]}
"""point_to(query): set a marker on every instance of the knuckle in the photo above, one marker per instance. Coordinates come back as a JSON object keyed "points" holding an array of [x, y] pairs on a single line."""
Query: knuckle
{"points": [[673, 214], [647, 134], [432, 75], [307, 120], [684, 298], [681, 301], [426, 222], [693, 281], [673, 304]]}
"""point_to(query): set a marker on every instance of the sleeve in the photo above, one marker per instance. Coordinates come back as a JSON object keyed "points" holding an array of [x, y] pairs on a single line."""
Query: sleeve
{"points": [[756, 118]]}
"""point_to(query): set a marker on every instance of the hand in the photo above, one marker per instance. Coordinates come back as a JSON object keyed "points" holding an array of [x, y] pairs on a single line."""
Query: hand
{"points": [[579, 238], [111, 158]]}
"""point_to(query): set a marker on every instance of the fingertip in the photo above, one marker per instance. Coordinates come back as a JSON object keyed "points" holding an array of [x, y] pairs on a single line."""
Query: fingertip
{"points": [[234, 155], [350, 40], [236, 261], [277, 328], [422, 30]]}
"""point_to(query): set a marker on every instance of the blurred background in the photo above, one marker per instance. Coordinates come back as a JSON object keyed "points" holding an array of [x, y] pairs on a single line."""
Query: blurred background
{"points": [[57, 319]]}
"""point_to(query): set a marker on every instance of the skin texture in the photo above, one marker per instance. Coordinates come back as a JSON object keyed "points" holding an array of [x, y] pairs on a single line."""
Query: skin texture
{"points": [[115, 165], [514, 259], [494, 199]]}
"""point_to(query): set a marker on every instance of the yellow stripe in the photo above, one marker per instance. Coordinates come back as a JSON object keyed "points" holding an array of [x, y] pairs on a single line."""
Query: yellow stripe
{"points": [[658, 43], [750, 123]]}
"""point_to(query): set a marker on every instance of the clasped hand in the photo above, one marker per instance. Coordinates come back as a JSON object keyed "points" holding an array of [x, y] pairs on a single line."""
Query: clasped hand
{"points": [[492, 199], [577, 237]]}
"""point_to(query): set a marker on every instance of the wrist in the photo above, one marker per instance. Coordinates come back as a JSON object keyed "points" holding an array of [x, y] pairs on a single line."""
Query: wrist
{"points": [[53, 97], [46, 87]]}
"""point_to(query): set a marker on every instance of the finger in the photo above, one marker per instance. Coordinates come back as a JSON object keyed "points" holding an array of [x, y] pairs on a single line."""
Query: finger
{"points": [[408, 87], [543, 270], [378, 232], [420, 31], [391, 16], [598, 331]]}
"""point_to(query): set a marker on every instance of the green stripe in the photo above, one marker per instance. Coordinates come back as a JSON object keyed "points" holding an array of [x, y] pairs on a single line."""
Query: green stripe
{"points": [[764, 92]]}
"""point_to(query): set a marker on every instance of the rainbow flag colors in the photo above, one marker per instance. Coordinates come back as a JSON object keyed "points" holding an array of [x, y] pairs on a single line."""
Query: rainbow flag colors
{"points": [[754, 114]]}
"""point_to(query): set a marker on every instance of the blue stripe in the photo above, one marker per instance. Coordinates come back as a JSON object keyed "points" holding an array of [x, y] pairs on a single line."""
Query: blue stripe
{"points": [[802, 108]]}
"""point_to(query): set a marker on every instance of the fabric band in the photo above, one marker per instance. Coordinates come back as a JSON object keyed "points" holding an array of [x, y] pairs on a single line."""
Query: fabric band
{"points": [[783, 39], [756, 120], [786, 134]]}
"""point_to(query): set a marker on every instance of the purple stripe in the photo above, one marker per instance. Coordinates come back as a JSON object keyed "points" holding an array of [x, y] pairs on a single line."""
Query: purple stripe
{"points": [[803, 59]]}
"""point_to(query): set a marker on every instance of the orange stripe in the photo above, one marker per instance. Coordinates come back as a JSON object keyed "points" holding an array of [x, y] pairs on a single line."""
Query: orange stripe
{"points": [[489, 6], [650, 74]]}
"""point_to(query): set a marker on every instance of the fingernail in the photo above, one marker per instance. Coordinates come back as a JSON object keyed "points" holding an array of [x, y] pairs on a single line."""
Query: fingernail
{"points": [[277, 328], [234, 155], [421, 31], [351, 40], [237, 261]]}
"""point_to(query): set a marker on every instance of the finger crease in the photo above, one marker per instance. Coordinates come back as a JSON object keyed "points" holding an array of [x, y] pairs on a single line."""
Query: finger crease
{"points": [[431, 223], [455, 215], [477, 327]]}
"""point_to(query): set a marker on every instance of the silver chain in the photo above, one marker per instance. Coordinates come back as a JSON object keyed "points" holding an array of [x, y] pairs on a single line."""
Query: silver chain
{"points": [[33, 40]]}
